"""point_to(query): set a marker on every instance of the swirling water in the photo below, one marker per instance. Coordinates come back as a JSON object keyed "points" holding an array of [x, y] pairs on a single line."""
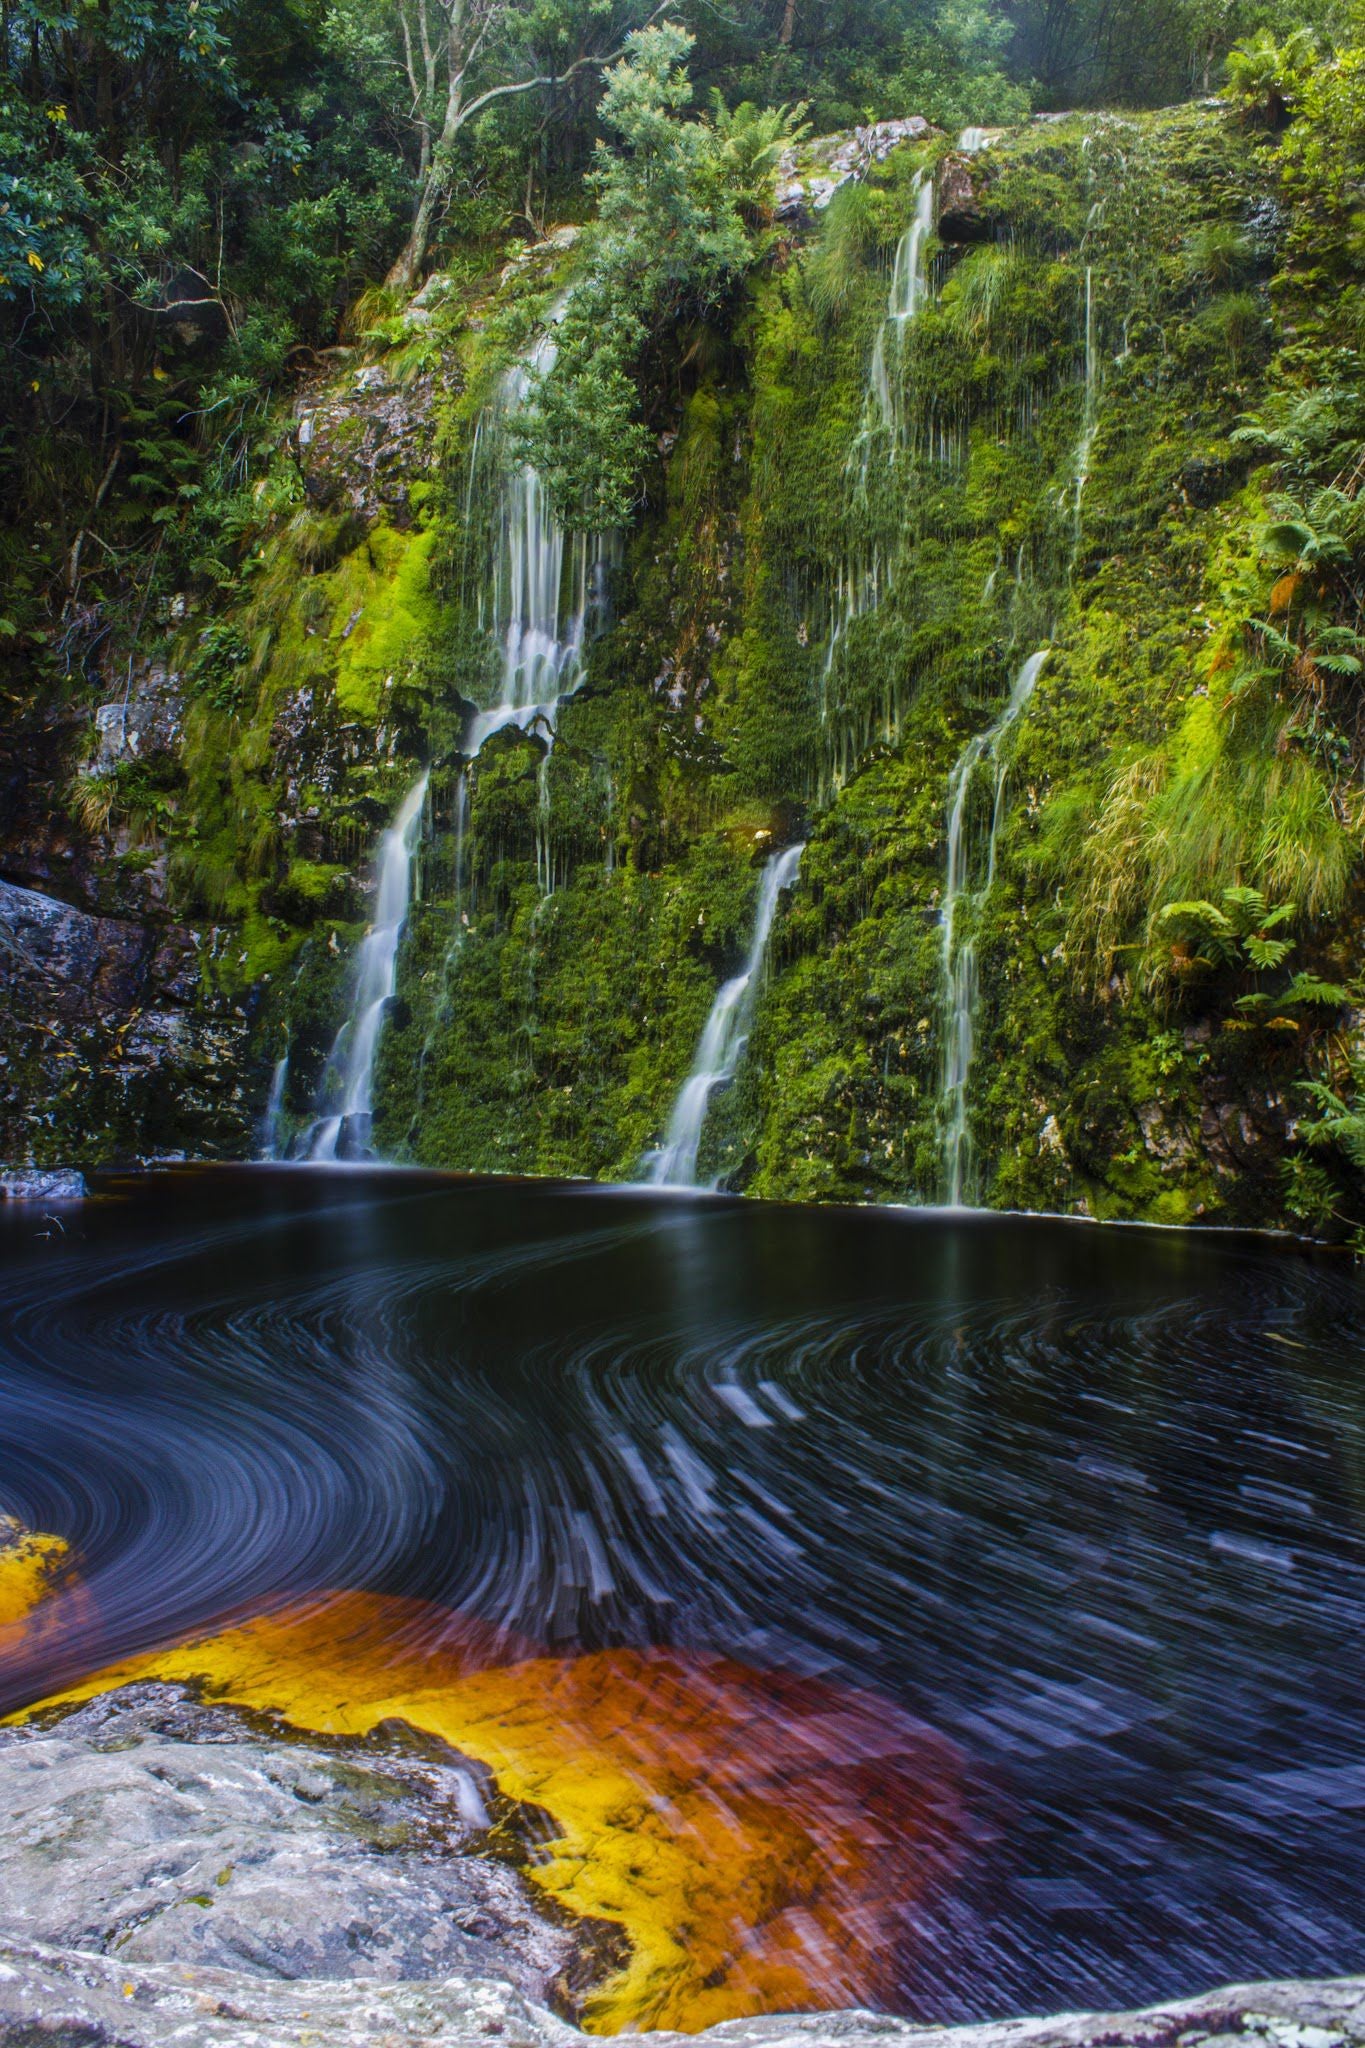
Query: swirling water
{"points": [[1084, 1505]]}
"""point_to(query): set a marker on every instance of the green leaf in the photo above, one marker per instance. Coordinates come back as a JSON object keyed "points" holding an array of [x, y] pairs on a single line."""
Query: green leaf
{"points": [[1263, 952], [1306, 988]]}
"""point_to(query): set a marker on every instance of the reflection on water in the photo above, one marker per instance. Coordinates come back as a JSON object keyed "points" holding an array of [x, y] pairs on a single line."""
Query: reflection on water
{"points": [[960, 1615]]}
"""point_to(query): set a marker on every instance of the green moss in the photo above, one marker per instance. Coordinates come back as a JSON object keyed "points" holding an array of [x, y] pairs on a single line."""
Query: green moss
{"points": [[548, 1029], [382, 617]]}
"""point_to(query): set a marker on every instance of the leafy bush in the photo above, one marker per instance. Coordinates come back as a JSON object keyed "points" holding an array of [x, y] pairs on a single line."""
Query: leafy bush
{"points": [[682, 210]]}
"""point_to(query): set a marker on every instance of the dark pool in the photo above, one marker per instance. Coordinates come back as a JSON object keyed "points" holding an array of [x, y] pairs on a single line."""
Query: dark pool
{"points": [[1088, 1502]]}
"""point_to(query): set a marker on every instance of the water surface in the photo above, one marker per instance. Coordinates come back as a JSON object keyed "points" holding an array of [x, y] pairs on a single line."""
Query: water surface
{"points": [[1072, 1515]]}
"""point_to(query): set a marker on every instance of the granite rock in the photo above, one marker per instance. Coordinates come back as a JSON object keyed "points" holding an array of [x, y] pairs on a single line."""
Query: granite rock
{"points": [[182, 1875]]}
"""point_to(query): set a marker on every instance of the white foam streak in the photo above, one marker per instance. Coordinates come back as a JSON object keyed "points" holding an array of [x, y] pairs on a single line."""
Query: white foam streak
{"points": [[346, 1091], [726, 1034], [960, 986]]}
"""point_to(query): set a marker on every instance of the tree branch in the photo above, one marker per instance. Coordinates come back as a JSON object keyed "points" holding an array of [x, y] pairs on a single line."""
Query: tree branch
{"points": [[500, 92]]}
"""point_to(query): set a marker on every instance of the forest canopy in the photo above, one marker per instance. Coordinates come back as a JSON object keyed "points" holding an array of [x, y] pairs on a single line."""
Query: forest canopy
{"points": [[195, 193]]}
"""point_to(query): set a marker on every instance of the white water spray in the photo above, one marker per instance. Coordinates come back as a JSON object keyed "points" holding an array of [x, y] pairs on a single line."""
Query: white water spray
{"points": [[345, 1094], [910, 292], [722, 1043], [545, 584], [960, 986], [273, 1122], [1090, 415], [863, 583]]}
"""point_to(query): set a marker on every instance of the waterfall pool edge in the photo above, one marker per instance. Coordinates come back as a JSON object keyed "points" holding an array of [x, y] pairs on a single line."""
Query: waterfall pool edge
{"points": [[112, 1183]]}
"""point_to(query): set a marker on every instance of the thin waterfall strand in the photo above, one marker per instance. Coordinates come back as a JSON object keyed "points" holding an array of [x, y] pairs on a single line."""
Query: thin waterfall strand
{"points": [[960, 983], [346, 1093], [545, 585], [722, 1043], [863, 583], [272, 1124], [910, 291], [1090, 418]]}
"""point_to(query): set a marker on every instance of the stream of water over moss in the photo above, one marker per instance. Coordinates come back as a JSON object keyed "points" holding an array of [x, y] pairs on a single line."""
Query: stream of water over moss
{"points": [[956, 1614]]}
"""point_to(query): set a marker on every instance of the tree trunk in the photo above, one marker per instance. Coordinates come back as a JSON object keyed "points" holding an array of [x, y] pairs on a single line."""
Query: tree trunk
{"points": [[410, 258], [785, 33]]}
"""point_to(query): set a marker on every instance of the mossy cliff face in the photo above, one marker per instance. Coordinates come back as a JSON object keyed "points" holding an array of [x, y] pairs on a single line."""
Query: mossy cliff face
{"points": [[826, 595]]}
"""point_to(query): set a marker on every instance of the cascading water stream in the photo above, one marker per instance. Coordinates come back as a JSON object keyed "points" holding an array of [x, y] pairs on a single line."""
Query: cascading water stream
{"points": [[545, 584], [959, 982], [1090, 418], [345, 1094], [272, 1123], [960, 986], [863, 582], [722, 1043], [545, 588], [910, 291]]}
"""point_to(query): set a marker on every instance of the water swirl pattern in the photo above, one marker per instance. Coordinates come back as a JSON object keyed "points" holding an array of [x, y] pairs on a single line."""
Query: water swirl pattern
{"points": [[960, 1614]]}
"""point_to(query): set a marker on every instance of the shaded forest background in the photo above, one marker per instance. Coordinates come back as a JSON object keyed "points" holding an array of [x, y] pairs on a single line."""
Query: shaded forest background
{"points": [[195, 195]]}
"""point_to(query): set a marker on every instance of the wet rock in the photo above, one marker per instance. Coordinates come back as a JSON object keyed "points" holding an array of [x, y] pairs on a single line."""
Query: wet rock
{"points": [[810, 173], [152, 1828], [961, 217], [34, 1184], [146, 718], [1163, 1138], [61, 1998], [80, 958], [110, 1046], [543, 255], [361, 443], [179, 1873], [1241, 1130], [185, 302]]}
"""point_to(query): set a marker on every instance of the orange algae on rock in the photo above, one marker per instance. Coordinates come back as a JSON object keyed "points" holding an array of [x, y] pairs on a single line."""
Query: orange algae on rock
{"points": [[30, 1566], [758, 1836]]}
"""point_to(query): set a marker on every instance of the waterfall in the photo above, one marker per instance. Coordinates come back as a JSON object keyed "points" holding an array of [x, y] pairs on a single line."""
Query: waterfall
{"points": [[909, 292], [960, 990], [1090, 417], [972, 141], [721, 1046], [273, 1121], [862, 584], [461, 835], [545, 584], [345, 1093]]}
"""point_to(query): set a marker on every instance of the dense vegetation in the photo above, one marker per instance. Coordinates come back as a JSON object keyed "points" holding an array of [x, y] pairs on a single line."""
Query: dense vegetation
{"points": [[196, 192], [1128, 426]]}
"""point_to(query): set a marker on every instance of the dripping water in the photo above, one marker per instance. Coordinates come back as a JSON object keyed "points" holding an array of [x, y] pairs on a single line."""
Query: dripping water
{"points": [[862, 584], [960, 986], [272, 1124], [910, 291], [345, 1098], [1085, 446], [722, 1043], [545, 585], [461, 822]]}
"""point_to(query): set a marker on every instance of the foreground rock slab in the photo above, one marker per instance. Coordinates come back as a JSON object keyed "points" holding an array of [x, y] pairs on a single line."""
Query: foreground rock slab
{"points": [[182, 1875], [60, 1998], [153, 1829]]}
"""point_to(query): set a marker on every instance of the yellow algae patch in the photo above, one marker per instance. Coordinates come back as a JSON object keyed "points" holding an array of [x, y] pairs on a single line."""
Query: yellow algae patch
{"points": [[759, 1837], [30, 1565]]}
